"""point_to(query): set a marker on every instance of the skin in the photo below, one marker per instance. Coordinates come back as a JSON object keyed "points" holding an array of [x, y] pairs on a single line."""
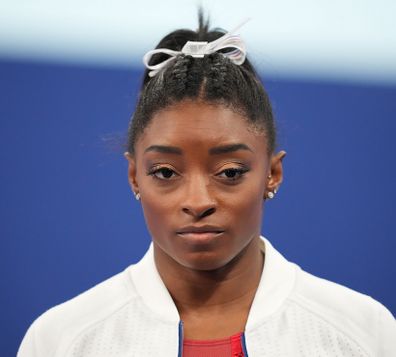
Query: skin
{"points": [[199, 164]]}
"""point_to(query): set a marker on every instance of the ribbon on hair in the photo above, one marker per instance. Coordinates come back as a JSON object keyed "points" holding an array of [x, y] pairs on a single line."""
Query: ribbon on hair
{"points": [[199, 49]]}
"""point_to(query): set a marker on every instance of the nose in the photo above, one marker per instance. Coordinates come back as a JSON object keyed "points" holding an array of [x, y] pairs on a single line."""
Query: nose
{"points": [[198, 200]]}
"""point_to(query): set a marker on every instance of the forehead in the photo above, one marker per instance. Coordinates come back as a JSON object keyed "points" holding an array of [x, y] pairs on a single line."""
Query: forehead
{"points": [[200, 125]]}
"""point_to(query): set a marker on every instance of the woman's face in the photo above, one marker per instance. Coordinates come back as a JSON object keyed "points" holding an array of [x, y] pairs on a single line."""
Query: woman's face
{"points": [[202, 174]]}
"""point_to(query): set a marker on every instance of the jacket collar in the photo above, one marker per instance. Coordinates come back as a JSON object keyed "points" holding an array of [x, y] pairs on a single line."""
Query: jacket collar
{"points": [[152, 289], [276, 283]]}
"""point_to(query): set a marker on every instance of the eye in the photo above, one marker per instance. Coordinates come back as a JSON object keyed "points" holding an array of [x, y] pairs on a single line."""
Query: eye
{"points": [[232, 174], [162, 173]]}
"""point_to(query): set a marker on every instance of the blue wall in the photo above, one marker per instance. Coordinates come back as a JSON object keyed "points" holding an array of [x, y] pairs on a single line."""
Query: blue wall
{"points": [[69, 220]]}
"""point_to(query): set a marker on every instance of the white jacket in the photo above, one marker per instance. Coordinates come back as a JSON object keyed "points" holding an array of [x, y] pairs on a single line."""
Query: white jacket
{"points": [[293, 314]]}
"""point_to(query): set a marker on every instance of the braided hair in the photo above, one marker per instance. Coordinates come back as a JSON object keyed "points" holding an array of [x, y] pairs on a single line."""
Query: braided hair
{"points": [[213, 79]]}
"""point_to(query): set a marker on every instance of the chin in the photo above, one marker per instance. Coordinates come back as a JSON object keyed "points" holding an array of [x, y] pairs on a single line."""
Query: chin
{"points": [[204, 261]]}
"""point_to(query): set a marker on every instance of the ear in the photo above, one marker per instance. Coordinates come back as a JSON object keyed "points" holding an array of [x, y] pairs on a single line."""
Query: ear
{"points": [[275, 175], [132, 172]]}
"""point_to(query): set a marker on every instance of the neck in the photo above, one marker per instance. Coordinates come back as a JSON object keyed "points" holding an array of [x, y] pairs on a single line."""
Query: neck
{"points": [[230, 287]]}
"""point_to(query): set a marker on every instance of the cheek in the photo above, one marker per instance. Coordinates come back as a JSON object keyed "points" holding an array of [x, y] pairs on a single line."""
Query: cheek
{"points": [[157, 211], [248, 209], [158, 208], [243, 206]]}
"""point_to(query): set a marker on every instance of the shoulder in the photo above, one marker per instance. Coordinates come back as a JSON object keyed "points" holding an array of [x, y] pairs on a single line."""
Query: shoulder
{"points": [[59, 325], [336, 301], [356, 316], [319, 314]]}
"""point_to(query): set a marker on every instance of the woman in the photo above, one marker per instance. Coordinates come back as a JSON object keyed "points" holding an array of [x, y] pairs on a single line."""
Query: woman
{"points": [[202, 161]]}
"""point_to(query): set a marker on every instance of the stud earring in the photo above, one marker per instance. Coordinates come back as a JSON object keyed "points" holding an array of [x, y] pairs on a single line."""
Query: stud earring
{"points": [[269, 177], [137, 196], [270, 195]]}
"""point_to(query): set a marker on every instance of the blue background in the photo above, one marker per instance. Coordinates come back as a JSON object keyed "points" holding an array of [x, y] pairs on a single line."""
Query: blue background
{"points": [[69, 220]]}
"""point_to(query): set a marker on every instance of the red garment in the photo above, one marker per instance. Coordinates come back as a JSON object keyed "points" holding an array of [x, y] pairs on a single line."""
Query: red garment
{"points": [[225, 347]]}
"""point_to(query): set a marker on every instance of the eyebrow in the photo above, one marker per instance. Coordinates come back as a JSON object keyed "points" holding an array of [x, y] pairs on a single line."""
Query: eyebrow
{"points": [[164, 149], [225, 149], [218, 150]]}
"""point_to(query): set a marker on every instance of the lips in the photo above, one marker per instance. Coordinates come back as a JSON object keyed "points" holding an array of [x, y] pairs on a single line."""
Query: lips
{"points": [[200, 233], [200, 229]]}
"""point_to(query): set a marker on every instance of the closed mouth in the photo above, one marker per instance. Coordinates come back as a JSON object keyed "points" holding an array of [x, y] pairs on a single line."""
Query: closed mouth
{"points": [[196, 230]]}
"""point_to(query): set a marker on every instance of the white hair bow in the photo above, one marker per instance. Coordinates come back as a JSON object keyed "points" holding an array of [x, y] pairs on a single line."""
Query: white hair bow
{"points": [[199, 49]]}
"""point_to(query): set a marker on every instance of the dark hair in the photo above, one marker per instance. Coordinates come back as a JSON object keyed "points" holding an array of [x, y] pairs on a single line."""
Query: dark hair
{"points": [[213, 79]]}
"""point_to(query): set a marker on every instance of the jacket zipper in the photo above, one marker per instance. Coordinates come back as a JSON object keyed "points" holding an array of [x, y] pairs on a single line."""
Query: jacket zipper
{"points": [[243, 343], [180, 339]]}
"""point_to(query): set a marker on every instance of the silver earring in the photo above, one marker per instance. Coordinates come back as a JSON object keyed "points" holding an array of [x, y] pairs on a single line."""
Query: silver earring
{"points": [[275, 191], [269, 177], [271, 195], [137, 195]]}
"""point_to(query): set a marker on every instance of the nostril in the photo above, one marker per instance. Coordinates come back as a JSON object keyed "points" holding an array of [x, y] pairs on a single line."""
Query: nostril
{"points": [[208, 212], [199, 213]]}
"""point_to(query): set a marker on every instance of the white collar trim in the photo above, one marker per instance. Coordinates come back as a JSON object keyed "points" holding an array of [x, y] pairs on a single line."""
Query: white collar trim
{"points": [[276, 283]]}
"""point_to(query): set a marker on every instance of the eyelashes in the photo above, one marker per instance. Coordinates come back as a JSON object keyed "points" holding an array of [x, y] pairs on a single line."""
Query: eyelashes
{"points": [[233, 174], [230, 175], [162, 173]]}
